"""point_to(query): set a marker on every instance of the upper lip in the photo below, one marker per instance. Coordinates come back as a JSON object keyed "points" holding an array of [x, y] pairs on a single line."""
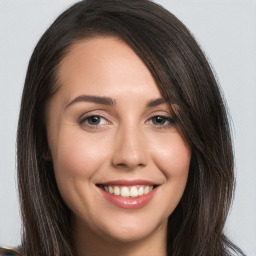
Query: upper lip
{"points": [[129, 182]]}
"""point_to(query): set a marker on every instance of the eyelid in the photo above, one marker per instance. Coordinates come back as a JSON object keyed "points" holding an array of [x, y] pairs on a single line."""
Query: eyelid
{"points": [[82, 120], [99, 112], [170, 118], [95, 112], [162, 113], [166, 115]]}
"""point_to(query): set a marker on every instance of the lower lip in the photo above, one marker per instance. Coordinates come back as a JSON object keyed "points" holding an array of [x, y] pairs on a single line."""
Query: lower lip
{"points": [[129, 202]]}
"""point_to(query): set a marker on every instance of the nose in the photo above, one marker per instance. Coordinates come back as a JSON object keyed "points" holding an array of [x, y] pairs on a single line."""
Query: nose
{"points": [[130, 150]]}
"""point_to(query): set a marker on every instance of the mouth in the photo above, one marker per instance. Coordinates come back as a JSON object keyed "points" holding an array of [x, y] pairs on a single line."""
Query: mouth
{"points": [[129, 194], [127, 191]]}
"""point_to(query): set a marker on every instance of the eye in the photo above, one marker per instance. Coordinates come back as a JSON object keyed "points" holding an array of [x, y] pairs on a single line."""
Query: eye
{"points": [[161, 121], [93, 120]]}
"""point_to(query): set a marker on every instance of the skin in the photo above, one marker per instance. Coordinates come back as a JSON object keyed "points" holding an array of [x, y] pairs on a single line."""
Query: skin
{"points": [[127, 144]]}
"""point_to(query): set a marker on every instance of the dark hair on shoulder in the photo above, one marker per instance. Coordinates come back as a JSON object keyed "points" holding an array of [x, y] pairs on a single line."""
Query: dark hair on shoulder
{"points": [[9, 252], [186, 82]]}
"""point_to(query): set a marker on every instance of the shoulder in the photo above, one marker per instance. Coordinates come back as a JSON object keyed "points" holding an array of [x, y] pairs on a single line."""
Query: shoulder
{"points": [[9, 252]]}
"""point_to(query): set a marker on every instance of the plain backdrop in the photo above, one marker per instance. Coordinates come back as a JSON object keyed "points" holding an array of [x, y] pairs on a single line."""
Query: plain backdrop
{"points": [[225, 29]]}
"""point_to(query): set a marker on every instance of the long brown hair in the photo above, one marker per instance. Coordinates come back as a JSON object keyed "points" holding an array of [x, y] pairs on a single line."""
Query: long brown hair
{"points": [[185, 80]]}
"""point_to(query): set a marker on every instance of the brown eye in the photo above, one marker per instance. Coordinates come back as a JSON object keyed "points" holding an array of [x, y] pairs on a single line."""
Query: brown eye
{"points": [[161, 121], [94, 120]]}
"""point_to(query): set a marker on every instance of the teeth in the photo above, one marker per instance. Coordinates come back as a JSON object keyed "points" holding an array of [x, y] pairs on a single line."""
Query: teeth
{"points": [[141, 191], [131, 191], [125, 192], [146, 190], [116, 190], [110, 190], [134, 192]]}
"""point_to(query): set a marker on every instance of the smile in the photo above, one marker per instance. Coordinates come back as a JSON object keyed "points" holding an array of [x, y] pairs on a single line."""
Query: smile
{"points": [[128, 191], [127, 194]]}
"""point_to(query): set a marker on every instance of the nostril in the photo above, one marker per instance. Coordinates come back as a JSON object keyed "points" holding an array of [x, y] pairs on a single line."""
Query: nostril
{"points": [[122, 165]]}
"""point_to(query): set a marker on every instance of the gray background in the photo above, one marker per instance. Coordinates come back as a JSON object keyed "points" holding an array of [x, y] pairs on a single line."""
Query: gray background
{"points": [[225, 29]]}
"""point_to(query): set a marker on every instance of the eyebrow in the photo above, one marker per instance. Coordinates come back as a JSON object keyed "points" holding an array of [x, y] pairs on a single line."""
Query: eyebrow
{"points": [[155, 102], [109, 101], [95, 99]]}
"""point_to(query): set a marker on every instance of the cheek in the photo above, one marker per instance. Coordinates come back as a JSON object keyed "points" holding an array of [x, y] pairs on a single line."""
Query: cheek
{"points": [[77, 154], [172, 156], [173, 159], [76, 159]]}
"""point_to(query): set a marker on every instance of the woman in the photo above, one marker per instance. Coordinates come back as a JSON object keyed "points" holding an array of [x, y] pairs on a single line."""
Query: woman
{"points": [[123, 140]]}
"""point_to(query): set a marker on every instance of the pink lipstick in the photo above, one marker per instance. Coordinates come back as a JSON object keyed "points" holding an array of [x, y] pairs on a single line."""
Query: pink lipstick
{"points": [[128, 194]]}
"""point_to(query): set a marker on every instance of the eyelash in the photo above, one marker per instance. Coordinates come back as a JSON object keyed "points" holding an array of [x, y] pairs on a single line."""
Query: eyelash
{"points": [[168, 119], [85, 120]]}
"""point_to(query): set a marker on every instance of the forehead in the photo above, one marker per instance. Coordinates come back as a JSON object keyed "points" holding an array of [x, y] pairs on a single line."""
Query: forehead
{"points": [[105, 66]]}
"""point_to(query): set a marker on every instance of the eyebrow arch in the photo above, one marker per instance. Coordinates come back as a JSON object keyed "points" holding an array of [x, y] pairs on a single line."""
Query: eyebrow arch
{"points": [[156, 102], [95, 99]]}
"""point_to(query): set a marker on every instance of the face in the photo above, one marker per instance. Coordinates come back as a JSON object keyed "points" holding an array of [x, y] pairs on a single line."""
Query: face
{"points": [[120, 163]]}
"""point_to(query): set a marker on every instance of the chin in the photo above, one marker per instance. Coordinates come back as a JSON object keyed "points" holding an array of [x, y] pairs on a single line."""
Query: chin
{"points": [[131, 229]]}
